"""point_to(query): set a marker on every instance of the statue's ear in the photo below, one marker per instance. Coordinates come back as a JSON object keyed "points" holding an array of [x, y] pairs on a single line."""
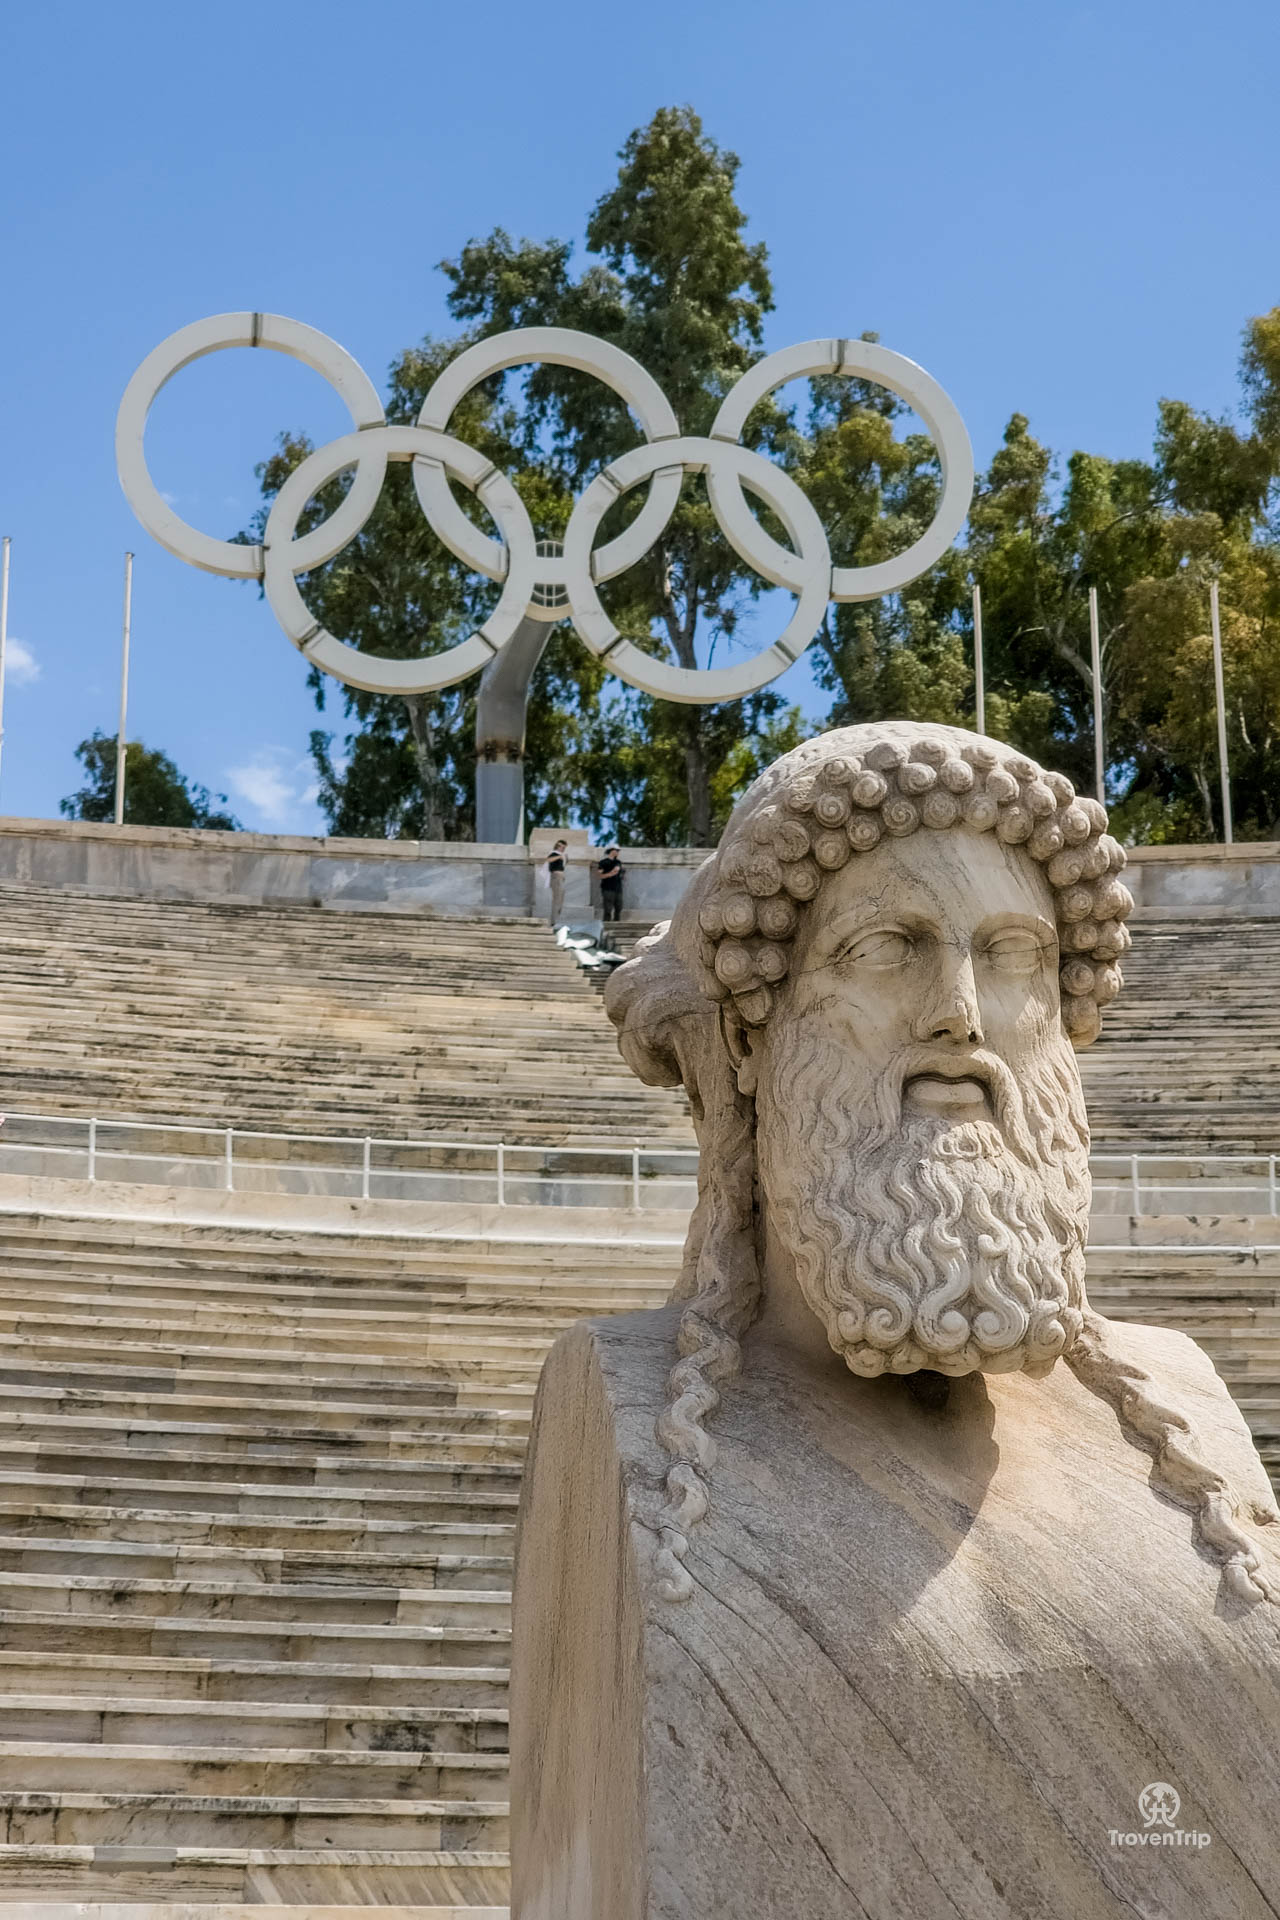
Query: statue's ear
{"points": [[742, 1048]]}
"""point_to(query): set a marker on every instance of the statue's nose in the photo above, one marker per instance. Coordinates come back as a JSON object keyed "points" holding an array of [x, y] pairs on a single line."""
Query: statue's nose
{"points": [[960, 1024], [950, 1011]]}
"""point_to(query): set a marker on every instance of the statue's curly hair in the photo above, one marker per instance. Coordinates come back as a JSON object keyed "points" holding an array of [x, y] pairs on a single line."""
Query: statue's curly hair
{"points": [[778, 849], [724, 955]]}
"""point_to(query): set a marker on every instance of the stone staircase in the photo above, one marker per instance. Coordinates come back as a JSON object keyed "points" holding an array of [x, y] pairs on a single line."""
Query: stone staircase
{"points": [[257, 1495], [1189, 1055], [310, 1022]]}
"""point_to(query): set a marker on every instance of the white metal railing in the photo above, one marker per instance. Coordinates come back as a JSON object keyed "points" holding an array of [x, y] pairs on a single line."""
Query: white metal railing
{"points": [[139, 1151], [1191, 1181], [145, 1152]]}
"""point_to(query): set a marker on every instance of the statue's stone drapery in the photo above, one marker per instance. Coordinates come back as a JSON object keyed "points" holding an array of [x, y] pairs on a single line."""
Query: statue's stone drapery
{"points": [[878, 1575]]}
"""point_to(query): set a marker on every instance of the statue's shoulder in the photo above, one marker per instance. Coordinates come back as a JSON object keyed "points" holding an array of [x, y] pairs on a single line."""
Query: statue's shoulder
{"points": [[617, 1342], [1167, 1352], [608, 1373], [1183, 1378]]}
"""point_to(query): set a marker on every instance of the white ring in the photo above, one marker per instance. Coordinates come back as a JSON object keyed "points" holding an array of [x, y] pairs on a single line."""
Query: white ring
{"points": [[912, 384], [290, 337], [559, 347], [805, 569], [808, 570], [282, 552]]}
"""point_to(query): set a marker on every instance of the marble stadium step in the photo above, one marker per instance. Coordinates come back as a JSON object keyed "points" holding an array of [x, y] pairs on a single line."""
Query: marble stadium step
{"points": [[199, 1263], [226, 1412], [264, 1331], [263, 1533], [32, 1290], [157, 1636], [220, 1910], [209, 1497], [304, 1387], [94, 1596], [537, 1312], [525, 1304], [104, 1342], [529, 1295], [182, 1456], [122, 1723], [304, 1881], [81, 1817], [256, 1569], [334, 1683], [47, 1765], [430, 1440]]}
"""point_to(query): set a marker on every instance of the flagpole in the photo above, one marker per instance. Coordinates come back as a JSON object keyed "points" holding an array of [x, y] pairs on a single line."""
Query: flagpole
{"points": [[979, 678], [1095, 647], [1223, 772], [124, 686], [4, 626]]}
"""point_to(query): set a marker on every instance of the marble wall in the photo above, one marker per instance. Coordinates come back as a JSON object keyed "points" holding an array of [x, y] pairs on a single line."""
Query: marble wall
{"points": [[1205, 881], [404, 876], [389, 876]]}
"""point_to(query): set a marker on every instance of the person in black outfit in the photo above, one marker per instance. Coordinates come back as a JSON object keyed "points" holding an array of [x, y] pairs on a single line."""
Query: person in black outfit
{"points": [[610, 870], [555, 873]]}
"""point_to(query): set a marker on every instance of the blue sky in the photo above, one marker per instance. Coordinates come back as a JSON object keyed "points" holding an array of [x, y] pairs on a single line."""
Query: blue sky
{"points": [[1068, 210]]}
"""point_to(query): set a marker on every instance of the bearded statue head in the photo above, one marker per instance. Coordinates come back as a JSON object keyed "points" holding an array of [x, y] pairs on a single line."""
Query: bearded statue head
{"points": [[873, 992]]}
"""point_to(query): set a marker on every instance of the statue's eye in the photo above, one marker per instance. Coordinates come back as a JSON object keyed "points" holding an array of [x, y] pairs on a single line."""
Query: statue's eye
{"points": [[1015, 950], [884, 948]]}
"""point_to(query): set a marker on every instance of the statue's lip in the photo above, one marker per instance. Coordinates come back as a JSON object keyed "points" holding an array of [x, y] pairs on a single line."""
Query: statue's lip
{"points": [[941, 1088], [949, 1067]]}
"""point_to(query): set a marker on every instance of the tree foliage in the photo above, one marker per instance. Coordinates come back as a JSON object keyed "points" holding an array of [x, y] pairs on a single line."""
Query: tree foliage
{"points": [[1151, 537], [673, 279], [1148, 536], [155, 793]]}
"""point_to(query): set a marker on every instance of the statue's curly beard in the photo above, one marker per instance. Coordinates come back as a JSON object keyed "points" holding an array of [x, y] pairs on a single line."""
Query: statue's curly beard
{"points": [[921, 1242]]}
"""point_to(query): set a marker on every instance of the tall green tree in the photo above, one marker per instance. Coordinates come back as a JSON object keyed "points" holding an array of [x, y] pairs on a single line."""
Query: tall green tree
{"points": [[1149, 536], [676, 284], [156, 794]]}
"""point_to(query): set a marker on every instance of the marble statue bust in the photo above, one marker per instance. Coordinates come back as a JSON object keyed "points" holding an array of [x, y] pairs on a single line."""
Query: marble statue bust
{"points": [[879, 1575]]}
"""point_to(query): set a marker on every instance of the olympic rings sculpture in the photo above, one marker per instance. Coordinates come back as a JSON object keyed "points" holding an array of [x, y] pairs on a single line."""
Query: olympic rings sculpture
{"points": [[535, 581]]}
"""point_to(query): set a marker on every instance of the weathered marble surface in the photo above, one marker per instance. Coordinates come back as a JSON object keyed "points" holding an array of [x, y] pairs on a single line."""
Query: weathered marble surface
{"points": [[931, 1660], [801, 1629]]}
